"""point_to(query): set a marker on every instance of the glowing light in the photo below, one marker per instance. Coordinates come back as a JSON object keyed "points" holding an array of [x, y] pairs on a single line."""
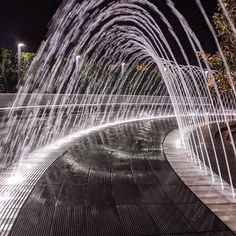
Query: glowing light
{"points": [[178, 143], [15, 179], [21, 45]]}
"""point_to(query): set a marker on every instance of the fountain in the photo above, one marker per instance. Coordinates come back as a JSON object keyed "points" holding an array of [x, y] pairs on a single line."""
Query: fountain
{"points": [[108, 63]]}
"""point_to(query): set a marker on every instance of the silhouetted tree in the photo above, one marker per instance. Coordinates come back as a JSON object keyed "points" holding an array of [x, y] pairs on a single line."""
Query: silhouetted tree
{"points": [[8, 69], [227, 39]]}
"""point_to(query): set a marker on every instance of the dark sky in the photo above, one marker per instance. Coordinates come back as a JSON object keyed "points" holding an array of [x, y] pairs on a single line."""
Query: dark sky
{"points": [[27, 20]]}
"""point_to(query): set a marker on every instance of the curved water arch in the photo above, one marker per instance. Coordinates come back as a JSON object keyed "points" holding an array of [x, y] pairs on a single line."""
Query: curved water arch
{"points": [[107, 64], [87, 55]]}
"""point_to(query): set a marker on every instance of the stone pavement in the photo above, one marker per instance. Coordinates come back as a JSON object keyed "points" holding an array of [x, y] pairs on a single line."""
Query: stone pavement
{"points": [[210, 193], [116, 182]]}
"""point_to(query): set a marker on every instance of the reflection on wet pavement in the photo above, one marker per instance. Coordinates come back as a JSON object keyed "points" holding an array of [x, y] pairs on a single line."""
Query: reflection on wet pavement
{"points": [[116, 182]]}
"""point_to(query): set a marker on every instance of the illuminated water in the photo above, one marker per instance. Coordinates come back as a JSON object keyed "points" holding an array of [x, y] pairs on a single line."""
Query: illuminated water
{"points": [[104, 63]]}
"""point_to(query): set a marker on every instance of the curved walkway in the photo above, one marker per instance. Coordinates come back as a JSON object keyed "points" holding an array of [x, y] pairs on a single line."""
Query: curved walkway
{"points": [[116, 182], [211, 194], [220, 153]]}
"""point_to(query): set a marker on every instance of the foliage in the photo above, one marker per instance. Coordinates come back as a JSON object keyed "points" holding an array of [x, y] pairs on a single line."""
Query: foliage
{"points": [[27, 58], [8, 69], [227, 40], [95, 77], [8, 75]]}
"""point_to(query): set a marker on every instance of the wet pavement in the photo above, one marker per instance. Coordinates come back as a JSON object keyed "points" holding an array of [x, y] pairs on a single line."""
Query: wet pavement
{"points": [[217, 144], [116, 182]]}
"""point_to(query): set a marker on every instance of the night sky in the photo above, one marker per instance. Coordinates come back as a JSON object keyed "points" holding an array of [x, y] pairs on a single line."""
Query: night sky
{"points": [[27, 21]]}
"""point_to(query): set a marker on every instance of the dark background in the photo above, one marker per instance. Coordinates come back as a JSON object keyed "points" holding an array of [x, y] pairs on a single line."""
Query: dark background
{"points": [[27, 21]]}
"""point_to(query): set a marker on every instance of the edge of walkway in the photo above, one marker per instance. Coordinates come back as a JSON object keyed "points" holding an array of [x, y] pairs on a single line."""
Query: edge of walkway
{"points": [[219, 201]]}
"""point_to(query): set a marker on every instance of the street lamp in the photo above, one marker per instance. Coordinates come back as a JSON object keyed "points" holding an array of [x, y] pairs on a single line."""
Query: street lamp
{"points": [[20, 45], [206, 72], [77, 66], [122, 69]]}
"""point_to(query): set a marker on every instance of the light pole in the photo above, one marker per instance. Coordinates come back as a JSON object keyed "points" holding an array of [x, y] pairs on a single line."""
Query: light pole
{"points": [[20, 45], [122, 69], [77, 65], [122, 76], [206, 74]]}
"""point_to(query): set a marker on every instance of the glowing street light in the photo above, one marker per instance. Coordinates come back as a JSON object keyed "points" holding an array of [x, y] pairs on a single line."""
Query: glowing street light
{"points": [[206, 74], [122, 69], [20, 45]]}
